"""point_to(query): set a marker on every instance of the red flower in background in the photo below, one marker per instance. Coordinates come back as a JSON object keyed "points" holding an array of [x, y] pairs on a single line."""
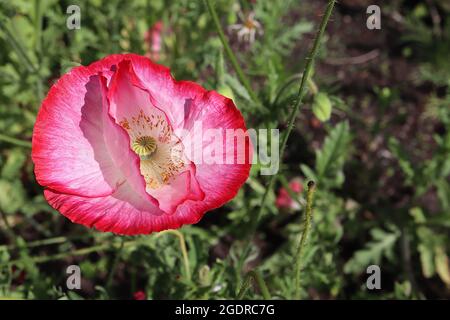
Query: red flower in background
{"points": [[139, 295], [153, 40], [284, 200], [106, 150]]}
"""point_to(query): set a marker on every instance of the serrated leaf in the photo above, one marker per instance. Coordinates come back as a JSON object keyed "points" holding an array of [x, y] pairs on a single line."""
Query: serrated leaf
{"points": [[331, 157], [237, 87], [402, 157], [381, 246]]}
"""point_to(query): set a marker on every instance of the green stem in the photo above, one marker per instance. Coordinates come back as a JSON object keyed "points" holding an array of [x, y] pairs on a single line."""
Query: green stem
{"points": [[9, 230], [292, 117], [304, 236], [115, 264], [255, 276], [38, 46], [183, 250], [80, 252], [39, 243], [19, 49], [290, 81], [242, 78], [22, 54], [15, 141]]}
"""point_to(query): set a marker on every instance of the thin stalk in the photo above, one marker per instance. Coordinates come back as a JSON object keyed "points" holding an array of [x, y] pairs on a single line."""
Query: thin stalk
{"points": [[183, 250], [38, 45], [115, 264], [242, 78], [9, 230], [290, 81], [19, 49], [292, 117], [39, 243], [22, 53], [17, 142], [304, 236], [80, 252], [408, 265], [255, 276]]}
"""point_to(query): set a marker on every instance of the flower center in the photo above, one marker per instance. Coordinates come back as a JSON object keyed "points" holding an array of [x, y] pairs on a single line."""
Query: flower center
{"points": [[250, 24], [160, 151], [144, 146]]}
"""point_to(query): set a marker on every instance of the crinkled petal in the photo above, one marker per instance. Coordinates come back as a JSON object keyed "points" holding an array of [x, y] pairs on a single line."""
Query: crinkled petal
{"points": [[117, 213], [185, 104], [69, 151], [127, 101]]}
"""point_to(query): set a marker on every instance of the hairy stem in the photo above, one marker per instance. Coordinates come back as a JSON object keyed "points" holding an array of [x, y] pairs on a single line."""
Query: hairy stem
{"points": [[17, 142], [255, 276], [292, 117], [290, 81], [115, 264], [304, 236]]}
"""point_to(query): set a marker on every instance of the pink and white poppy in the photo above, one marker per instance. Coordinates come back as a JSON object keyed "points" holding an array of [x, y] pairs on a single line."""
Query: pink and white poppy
{"points": [[106, 150]]}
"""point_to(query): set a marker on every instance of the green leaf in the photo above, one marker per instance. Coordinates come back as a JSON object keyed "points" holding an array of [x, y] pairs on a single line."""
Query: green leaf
{"points": [[12, 196], [308, 172], [402, 157], [11, 169], [443, 192], [226, 91], [322, 107], [330, 159], [426, 260], [381, 246], [237, 87], [442, 267]]}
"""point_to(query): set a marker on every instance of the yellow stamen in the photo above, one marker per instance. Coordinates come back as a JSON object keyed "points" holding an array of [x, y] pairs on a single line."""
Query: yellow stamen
{"points": [[144, 147]]}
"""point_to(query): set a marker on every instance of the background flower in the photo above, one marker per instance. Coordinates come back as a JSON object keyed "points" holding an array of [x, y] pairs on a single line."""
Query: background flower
{"points": [[153, 40], [284, 199]]}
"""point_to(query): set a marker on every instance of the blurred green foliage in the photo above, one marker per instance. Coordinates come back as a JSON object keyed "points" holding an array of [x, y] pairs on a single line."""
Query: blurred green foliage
{"points": [[408, 239]]}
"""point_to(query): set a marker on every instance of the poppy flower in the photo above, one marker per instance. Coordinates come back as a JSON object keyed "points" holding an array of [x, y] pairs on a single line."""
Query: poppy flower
{"points": [[284, 200], [106, 149]]}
